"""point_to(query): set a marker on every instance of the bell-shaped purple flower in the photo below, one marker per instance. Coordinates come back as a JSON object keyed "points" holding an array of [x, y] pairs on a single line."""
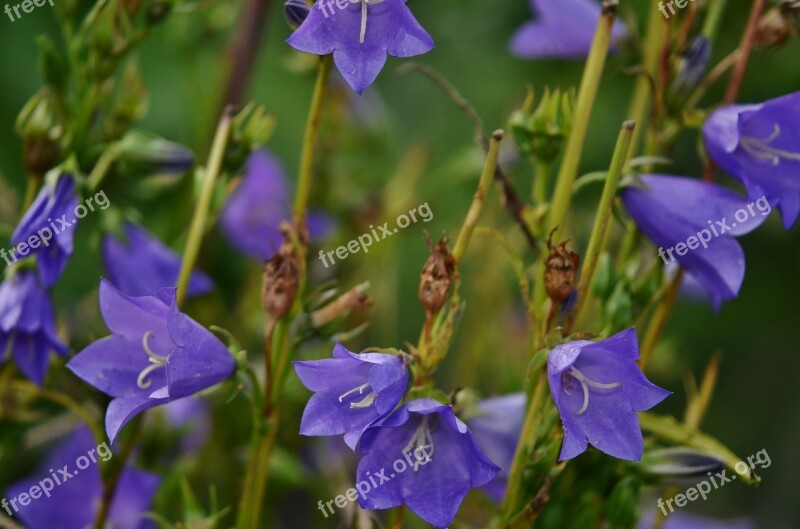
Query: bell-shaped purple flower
{"points": [[28, 325], [155, 355], [360, 35], [598, 388], [684, 520], [351, 391], [695, 222], [72, 502], [426, 458], [759, 145], [142, 264], [563, 29], [496, 429], [49, 223], [252, 216]]}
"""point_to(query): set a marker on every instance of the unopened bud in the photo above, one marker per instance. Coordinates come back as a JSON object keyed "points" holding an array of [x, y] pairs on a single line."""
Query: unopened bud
{"points": [[40, 154], [295, 12]]}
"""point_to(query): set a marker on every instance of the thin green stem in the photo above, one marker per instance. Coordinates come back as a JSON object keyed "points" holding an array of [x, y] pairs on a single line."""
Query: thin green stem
{"points": [[714, 18], [659, 321], [587, 93], [479, 199], [541, 174], [643, 94], [62, 400], [200, 219], [101, 169], [600, 228], [527, 438], [34, 181], [590, 82], [310, 139]]}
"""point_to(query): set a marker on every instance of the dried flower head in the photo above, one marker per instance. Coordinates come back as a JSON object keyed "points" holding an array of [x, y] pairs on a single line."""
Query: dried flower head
{"points": [[437, 274], [561, 267]]}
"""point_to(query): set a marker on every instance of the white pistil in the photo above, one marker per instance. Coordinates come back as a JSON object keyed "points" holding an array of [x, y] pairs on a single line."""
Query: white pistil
{"points": [[759, 148], [585, 382], [364, 4], [156, 360], [421, 439]]}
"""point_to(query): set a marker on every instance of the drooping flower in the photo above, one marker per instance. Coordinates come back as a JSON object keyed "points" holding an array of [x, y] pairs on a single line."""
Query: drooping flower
{"points": [[598, 388], [428, 460], [758, 145], [695, 222], [142, 264], [563, 29], [361, 35], [155, 355], [50, 221], [252, 215], [351, 391], [496, 429], [73, 502], [27, 325]]}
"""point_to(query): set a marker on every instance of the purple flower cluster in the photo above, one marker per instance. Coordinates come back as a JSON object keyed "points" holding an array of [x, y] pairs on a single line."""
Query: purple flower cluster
{"points": [[356, 395]]}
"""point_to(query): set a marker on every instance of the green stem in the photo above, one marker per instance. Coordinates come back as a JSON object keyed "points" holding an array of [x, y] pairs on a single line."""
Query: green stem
{"points": [[600, 228], [101, 168], [198, 227], [62, 400], [659, 321], [479, 199], [714, 18], [527, 439], [541, 177], [590, 83], [643, 94], [34, 181], [310, 139], [572, 154]]}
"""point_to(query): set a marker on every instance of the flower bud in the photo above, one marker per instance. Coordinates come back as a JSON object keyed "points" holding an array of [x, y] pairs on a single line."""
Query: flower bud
{"points": [[692, 66], [282, 274], [295, 12], [541, 133], [145, 153]]}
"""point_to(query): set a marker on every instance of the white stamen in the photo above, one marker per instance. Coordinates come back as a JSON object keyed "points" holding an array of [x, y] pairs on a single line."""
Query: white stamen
{"points": [[156, 360], [363, 20], [759, 148], [585, 382], [360, 389], [421, 439]]}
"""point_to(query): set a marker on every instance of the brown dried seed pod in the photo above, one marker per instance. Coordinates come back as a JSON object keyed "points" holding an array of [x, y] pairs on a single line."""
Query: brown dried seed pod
{"points": [[436, 277], [561, 267]]}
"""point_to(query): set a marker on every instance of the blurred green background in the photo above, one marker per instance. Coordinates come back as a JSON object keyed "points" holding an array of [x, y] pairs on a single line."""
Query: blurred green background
{"points": [[183, 64]]}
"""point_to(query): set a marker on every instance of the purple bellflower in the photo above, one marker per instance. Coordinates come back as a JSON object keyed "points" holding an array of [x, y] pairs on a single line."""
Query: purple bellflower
{"points": [[142, 264], [252, 216], [429, 457], [496, 429], [563, 29], [155, 355], [351, 391], [361, 35], [758, 145], [50, 221], [73, 501], [27, 325], [598, 388], [695, 222]]}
